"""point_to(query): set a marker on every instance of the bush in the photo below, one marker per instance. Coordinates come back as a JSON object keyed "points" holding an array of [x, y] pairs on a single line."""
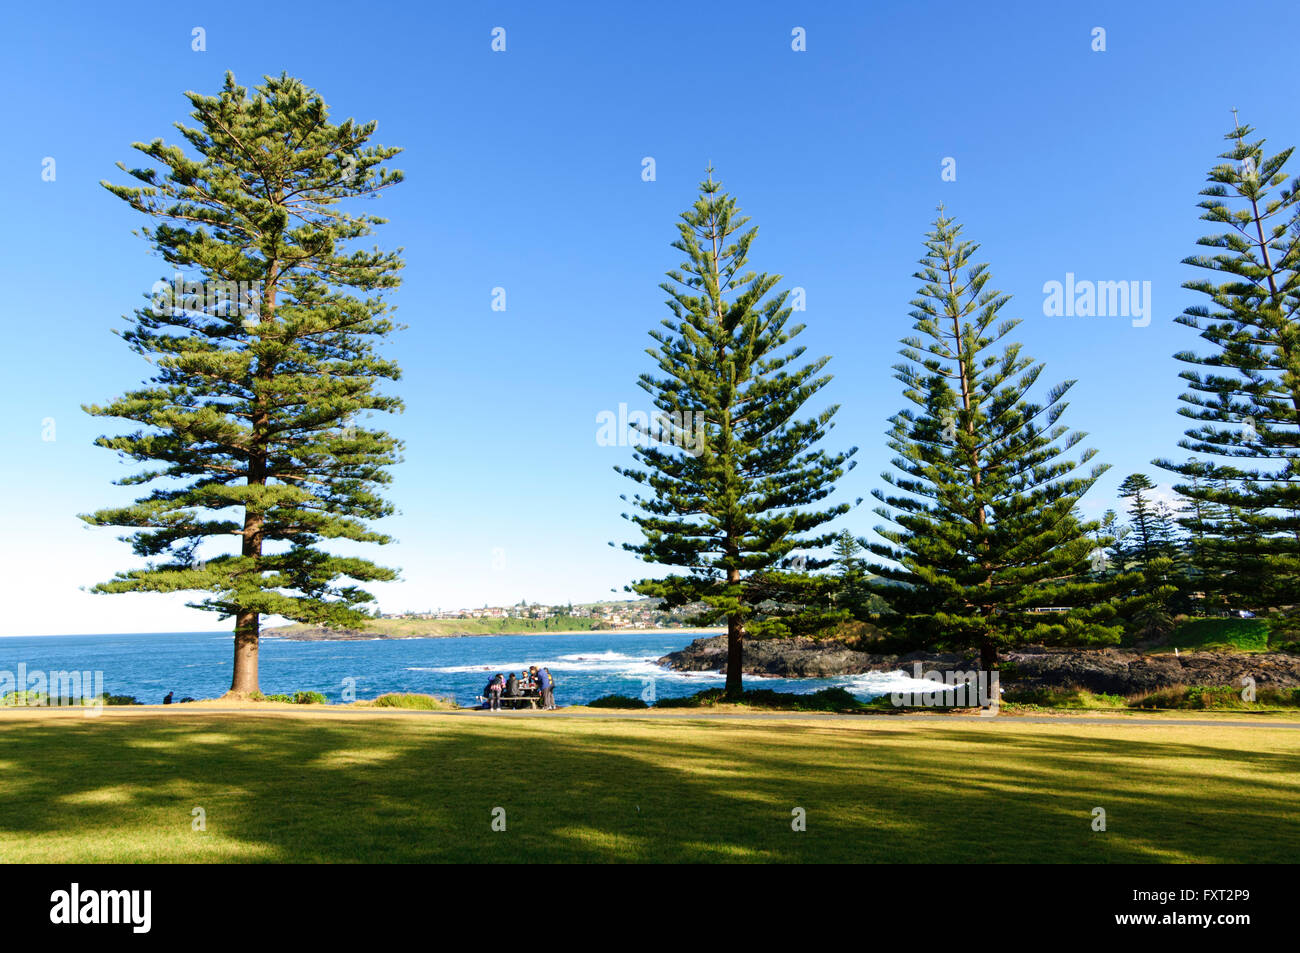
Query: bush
{"points": [[24, 699], [1063, 698], [856, 634], [1220, 697], [699, 700], [298, 698], [616, 701], [1282, 697], [1008, 672], [827, 699], [413, 700], [39, 699], [1191, 696]]}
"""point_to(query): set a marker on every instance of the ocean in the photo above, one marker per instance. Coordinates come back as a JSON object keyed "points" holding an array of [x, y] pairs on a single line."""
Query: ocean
{"points": [[585, 665]]}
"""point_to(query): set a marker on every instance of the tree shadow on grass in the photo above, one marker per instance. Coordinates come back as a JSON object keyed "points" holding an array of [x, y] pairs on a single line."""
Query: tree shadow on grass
{"points": [[410, 789]]}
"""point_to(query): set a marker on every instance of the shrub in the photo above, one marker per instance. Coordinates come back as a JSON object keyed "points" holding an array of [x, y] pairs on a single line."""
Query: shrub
{"points": [[1008, 672], [27, 699], [1218, 696], [1172, 697], [1282, 697], [1066, 697], [699, 700], [413, 700], [24, 699], [827, 699], [1202, 697], [616, 701], [857, 635], [299, 698]]}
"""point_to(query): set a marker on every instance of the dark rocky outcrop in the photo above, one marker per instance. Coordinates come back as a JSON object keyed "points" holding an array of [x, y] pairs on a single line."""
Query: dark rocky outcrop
{"points": [[320, 634], [1117, 671]]}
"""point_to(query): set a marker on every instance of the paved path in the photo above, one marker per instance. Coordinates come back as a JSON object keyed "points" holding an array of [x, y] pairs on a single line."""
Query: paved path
{"points": [[938, 720]]}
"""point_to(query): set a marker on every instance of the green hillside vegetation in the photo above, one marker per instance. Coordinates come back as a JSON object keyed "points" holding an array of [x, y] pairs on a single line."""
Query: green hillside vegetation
{"points": [[434, 628], [1220, 635]]}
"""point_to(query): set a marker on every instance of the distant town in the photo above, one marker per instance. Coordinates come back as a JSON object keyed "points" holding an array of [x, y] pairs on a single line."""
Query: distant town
{"points": [[626, 614]]}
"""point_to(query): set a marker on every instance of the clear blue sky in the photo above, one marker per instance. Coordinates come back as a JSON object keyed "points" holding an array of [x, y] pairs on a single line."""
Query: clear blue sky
{"points": [[524, 171]]}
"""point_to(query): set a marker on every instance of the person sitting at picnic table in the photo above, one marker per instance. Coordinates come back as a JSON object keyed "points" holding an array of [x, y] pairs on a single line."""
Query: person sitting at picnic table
{"points": [[512, 686]]}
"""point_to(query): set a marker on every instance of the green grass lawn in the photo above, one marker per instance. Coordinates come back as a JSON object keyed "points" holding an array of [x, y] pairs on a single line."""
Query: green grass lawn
{"points": [[339, 787], [1205, 635]]}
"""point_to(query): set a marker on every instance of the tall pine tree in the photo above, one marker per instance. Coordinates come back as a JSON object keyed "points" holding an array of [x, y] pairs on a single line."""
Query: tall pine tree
{"points": [[1245, 394], [1137, 489], [731, 509], [250, 428], [984, 522]]}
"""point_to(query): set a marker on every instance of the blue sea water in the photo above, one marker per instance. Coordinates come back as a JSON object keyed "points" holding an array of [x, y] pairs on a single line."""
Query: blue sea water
{"points": [[585, 665]]}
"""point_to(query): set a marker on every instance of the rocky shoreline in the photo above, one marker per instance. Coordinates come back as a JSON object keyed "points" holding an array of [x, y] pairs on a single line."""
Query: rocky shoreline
{"points": [[1116, 671]]}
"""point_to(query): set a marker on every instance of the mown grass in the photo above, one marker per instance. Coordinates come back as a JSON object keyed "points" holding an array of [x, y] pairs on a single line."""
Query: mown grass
{"points": [[315, 785], [1219, 635]]}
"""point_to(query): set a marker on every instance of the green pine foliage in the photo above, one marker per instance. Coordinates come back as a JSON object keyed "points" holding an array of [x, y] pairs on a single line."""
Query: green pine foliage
{"points": [[983, 522], [1244, 395], [732, 513], [853, 586], [250, 430], [1111, 538], [1137, 489]]}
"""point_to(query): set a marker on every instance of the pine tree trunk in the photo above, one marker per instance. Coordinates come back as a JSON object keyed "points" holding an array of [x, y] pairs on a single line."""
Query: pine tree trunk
{"points": [[735, 656], [988, 655], [244, 681], [247, 621]]}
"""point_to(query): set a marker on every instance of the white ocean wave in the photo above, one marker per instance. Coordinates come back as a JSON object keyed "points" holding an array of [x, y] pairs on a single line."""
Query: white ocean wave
{"points": [[619, 664], [646, 668], [874, 684]]}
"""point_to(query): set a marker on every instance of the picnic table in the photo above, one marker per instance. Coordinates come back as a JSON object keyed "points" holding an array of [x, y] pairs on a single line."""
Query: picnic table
{"points": [[530, 699]]}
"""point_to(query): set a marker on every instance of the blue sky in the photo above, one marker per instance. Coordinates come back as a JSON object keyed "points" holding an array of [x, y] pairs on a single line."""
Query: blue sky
{"points": [[524, 172]]}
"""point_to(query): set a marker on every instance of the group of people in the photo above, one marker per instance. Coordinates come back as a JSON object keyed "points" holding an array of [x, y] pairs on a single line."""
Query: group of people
{"points": [[535, 683]]}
